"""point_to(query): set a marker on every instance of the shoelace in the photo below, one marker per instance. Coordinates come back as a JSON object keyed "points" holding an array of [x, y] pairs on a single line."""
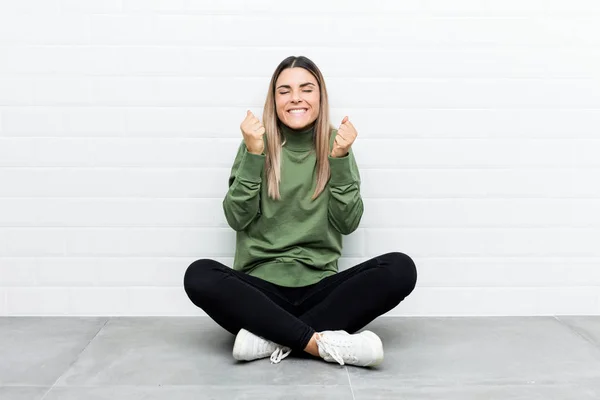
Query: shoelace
{"points": [[279, 354], [329, 347]]}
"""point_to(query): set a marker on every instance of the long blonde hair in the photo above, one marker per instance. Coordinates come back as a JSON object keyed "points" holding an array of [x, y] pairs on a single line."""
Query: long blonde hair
{"points": [[322, 130]]}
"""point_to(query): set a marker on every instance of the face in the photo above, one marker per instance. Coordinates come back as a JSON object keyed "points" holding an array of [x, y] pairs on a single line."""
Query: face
{"points": [[297, 98]]}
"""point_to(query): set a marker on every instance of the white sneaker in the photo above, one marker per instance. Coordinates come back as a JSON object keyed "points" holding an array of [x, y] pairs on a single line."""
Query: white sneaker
{"points": [[362, 349], [248, 347]]}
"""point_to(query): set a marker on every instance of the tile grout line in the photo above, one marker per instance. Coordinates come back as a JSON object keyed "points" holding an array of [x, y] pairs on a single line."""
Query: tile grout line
{"points": [[576, 332], [75, 360], [350, 383]]}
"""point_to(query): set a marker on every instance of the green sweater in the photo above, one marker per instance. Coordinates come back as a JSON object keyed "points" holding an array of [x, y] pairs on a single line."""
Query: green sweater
{"points": [[294, 241]]}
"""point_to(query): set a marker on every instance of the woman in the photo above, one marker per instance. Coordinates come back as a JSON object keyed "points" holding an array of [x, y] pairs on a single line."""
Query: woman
{"points": [[294, 190]]}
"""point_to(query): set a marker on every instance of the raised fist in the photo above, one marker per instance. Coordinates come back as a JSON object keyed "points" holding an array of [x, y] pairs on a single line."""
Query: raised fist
{"points": [[253, 131], [344, 138]]}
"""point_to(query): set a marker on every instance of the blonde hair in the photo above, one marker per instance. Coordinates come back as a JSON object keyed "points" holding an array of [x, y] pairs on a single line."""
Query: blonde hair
{"points": [[322, 129]]}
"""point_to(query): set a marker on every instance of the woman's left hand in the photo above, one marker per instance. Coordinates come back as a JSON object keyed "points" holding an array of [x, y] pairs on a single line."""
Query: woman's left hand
{"points": [[346, 135]]}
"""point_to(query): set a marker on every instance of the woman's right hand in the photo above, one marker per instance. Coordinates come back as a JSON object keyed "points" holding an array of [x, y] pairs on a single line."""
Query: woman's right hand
{"points": [[253, 132]]}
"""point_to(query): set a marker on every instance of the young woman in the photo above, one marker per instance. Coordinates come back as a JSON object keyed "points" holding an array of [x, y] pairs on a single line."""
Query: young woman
{"points": [[294, 190]]}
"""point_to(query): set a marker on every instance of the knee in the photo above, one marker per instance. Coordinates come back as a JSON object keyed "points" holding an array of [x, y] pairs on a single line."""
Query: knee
{"points": [[199, 275], [403, 273]]}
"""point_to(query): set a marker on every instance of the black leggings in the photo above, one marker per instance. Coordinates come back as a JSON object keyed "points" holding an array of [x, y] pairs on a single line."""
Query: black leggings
{"points": [[348, 300]]}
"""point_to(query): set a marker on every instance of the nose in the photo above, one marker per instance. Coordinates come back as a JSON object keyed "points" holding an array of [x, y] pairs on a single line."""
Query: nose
{"points": [[296, 97]]}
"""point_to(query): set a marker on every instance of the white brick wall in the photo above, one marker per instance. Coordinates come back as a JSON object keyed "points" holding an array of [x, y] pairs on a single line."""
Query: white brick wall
{"points": [[479, 136]]}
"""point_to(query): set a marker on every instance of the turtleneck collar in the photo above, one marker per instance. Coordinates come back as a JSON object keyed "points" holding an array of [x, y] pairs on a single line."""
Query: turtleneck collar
{"points": [[298, 140]]}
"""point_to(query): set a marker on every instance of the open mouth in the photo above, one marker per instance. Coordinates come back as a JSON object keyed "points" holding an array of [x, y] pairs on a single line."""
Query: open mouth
{"points": [[297, 111]]}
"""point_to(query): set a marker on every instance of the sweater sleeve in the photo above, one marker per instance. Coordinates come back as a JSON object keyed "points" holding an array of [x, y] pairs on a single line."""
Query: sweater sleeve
{"points": [[345, 207], [242, 201]]}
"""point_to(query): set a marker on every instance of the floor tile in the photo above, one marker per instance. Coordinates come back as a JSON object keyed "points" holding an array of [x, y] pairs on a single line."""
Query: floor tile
{"points": [[202, 392], [505, 392], [22, 392], [37, 350], [460, 351], [184, 351], [588, 327]]}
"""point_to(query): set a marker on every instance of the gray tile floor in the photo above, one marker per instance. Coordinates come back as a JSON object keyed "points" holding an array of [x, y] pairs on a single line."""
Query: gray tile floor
{"points": [[190, 358]]}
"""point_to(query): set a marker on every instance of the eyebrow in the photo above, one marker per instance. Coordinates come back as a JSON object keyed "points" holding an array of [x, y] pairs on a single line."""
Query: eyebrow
{"points": [[302, 85]]}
